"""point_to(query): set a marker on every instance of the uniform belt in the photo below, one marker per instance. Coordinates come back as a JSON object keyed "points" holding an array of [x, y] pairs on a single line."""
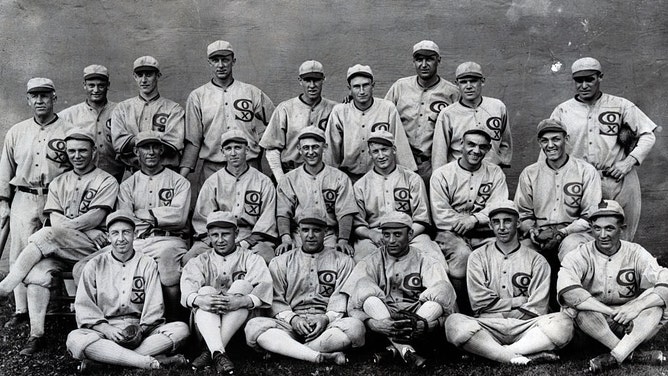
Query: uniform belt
{"points": [[34, 191], [420, 159], [153, 233]]}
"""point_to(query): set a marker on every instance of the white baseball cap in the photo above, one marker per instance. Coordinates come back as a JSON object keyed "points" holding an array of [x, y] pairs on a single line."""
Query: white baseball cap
{"points": [[311, 68], [96, 71], [585, 67], [503, 206], [146, 63], [219, 47], [39, 84], [606, 208], [426, 47], [396, 219], [359, 70], [221, 219], [469, 68]]}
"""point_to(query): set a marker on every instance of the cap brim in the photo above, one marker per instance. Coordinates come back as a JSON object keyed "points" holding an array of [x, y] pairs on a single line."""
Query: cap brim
{"points": [[470, 74], [80, 137], [221, 53], [221, 224], [607, 213], [148, 141], [316, 75], [234, 139], [122, 219], [41, 89], [394, 225], [311, 135], [96, 75], [503, 210], [426, 53], [377, 140], [551, 129], [145, 68], [586, 73], [364, 74], [313, 221]]}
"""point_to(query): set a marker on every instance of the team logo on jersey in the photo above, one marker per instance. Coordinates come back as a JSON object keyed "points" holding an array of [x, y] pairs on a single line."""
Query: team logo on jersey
{"points": [[252, 203], [166, 195], [56, 152], [238, 275], [412, 286], [326, 282], [521, 282], [484, 192], [245, 108], [138, 290], [160, 122], [610, 121], [107, 130], [380, 127], [329, 197], [436, 107], [322, 124], [496, 125], [628, 283], [402, 200], [573, 193], [86, 198]]}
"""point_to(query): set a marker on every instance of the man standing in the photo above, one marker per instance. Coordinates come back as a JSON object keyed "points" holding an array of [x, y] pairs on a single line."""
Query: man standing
{"points": [[609, 132], [223, 286], [32, 156], [309, 109], [315, 185], [399, 292], [387, 188], [119, 307], [94, 115], [472, 111], [508, 286], [350, 125], [219, 106], [77, 204], [419, 99], [308, 307], [145, 112], [615, 290]]}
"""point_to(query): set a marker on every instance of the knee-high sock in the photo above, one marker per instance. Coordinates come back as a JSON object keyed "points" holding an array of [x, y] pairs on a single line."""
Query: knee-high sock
{"points": [[595, 325], [331, 340], [375, 308], [230, 324], [280, 342], [155, 344], [172, 295], [533, 341], [20, 268], [430, 311], [483, 344], [38, 301], [106, 351], [20, 298], [644, 326], [209, 325]]}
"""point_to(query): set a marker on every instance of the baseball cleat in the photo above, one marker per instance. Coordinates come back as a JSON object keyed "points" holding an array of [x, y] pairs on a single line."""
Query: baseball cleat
{"points": [[411, 357], [602, 362], [17, 319], [543, 357], [87, 366], [388, 354], [34, 345], [223, 364], [652, 357], [175, 361], [202, 361]]}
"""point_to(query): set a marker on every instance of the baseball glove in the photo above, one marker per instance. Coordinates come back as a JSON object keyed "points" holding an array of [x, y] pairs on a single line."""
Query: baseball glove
{"points": [[132, 337], [626, 138], [418, 325], [549, 238]]}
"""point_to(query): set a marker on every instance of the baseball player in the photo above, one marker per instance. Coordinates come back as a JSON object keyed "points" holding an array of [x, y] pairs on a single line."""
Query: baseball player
{"points": [[615, 290], [472, 111], [308, 307], [609, 132], [94, 115], [387, 188], [118, 289], [242, 190], [554, 195], [32, 156], [222, 287], [77, 204], [350, 125], [460, 194], [508, 286], [221, 105], [145, 112], [419, 99], [315, 185], [397, 282], [309, 109]]}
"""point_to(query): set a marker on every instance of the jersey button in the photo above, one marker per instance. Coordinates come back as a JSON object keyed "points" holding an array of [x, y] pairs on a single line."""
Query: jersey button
{"points": [[503, 287]]}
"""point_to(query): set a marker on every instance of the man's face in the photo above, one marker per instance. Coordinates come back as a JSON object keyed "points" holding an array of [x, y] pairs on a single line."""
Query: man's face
{"points": [[223, 239], [361, 88], [235, 153], [607, 232], [312, 88], [426, 66], [313, 237], [42, 102], [149, 154], [396, 240], [553, 144], [470, 87], [96, 90], [311, 150], [475, 147], [80, 153], [383, 156], [505, 226], [587, 87], [147, 81], [121, 236], [221, 66]]}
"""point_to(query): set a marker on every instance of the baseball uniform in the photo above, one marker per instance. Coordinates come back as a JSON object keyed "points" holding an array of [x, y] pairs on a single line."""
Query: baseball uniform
{"points": [[135, 115], [401, 190], [593, 131], [457, 193], [166, 196], [212, 110], [289, 118], [329, 191], [120, 294], [308, 284], [456, 119], [348, 130], [418, 109], [98, 123]]}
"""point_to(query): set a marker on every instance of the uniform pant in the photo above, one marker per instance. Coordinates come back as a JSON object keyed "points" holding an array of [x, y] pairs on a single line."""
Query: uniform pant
{"points": [[627, 194]]}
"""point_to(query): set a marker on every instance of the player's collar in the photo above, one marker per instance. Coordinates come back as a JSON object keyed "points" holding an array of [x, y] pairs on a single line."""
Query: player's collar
{"points": [[438, 80], [309, 105], [482, 98], [134, 253], [388, 174], [85, 173], [600, 94], [241, 173], [568, 159], [317, 172], [466, 169], [223, 87], [509, 253], [162, 168], [152, 99], [608, 255], [106, 102], [373, 101], [55, 119]]}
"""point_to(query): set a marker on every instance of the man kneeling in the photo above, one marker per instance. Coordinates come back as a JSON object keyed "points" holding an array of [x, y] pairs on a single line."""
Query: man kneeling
{"points": [[508, 287]]}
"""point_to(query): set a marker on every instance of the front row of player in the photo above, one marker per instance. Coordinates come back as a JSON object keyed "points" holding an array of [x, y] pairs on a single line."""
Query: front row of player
{"points": [[323, 303]]}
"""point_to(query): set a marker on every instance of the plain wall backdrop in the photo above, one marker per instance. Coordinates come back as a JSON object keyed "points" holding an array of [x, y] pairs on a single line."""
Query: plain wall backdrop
{"points": [[526, 48]]}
